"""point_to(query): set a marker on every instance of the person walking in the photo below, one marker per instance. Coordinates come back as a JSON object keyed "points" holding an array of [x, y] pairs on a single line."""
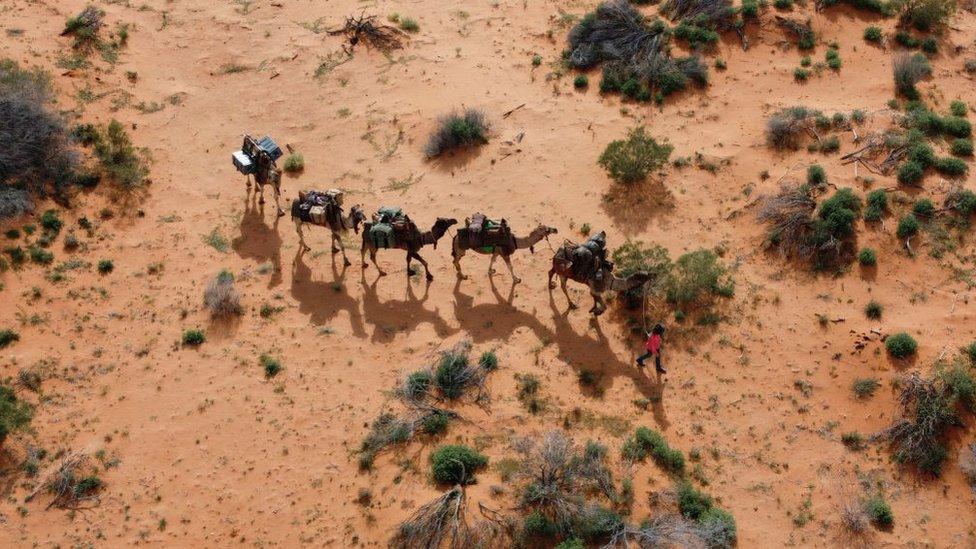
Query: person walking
{"points": [[653, 346]]}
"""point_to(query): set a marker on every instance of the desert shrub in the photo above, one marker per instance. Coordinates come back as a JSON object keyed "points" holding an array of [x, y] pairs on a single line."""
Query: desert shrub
{"points": [[456, 464], [906, 40], [51, 222], [924, 208], [834, 223], [961, 201], [597, 523], [901, 345], [783, 4], [962, 147], [930, 45], [952, 167], [749, 9], [435, 423], [959, 382], [968, 465], [867, 257], [40, 255], [84, 27], [630, 160], [7, 337], [956, 126], [221, 297], [193, 337], [15, 414], [908, 71], [696, 276], [784, 127], [876, 205], [581, 81], [717, 529], [458, 131], [801, 75], [573, 543], [878, 511], [907, 226], [386, 430], [294, 163], [633, 257], [910, 173], [106, 266], [828, 145], [865, 387], [615, 31], [409, 25], [488, 360], [917, 438], [926, 15], [454, 374], [692, 503], [537, 525], [873, 310], [647, 442], [874, 34], [270, 365], [852, 440], [789, 215], [833, 59], [958, 108], [119, 159], [37, 155], [417, 385], [816, 175]]}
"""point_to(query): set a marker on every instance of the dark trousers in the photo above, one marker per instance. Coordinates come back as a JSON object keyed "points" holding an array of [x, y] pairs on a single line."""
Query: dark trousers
{"points": [[647, 355]]}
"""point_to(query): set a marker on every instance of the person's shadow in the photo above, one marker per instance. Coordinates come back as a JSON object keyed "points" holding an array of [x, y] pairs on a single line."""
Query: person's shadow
{"points": [[400, 315], [322, 300], [492, 321], [584, 353], [257, 240]]}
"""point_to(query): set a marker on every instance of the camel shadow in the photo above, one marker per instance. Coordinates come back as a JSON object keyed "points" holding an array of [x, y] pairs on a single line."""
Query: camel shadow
{"points": [[322, 300], [400, 315], [595, 356], [632, 207], [495, 321], [257, 240]]}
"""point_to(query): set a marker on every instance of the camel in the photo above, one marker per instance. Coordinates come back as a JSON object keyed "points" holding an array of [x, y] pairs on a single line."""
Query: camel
{"points": [[562, 265], [411, 243], [271, 177], [338, 224], [461, 244]]}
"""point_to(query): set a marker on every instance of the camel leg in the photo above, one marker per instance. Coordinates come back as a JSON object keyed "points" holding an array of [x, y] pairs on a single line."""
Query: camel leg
{"points": [[261, 188], [491, 263], [457, 262], [301, 236], [342, 248], [595, 310], [422, 262], [562, 282], [362, 254], [552, 285], [372, 256], [277, 191], [508, 261], [335, 249]]}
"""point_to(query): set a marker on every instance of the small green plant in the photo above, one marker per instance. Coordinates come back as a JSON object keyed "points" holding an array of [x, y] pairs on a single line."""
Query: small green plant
{"points": [[874, 34], [876, 205], [15, 414], [833, 59], [907, 226], [8, 337], [720, 64], [581, 81], [783, 4], [456, 464], [816, 175], [458, 131], [409, 25], [901, 345], [647, 442], [270, 365], [853, 440], [958, 108], [801, 75], [879, 512], [873, 310], [294, 163], [865, 387], [950, 166], [106, 266], [910, 173], [536, 60], [40, 255], [193, 338], [867, 257], [962, 147], [631, 160], [908, 71], [930, 45], [51, 223]]}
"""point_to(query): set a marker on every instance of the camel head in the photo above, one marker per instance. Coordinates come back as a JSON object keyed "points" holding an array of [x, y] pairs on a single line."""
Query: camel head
{"points": [[357, 216], [440, 227], [540, 232]]}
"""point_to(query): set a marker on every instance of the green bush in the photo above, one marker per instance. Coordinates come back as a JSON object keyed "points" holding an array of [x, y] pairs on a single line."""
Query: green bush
{"points": [[950, 166], [873, 310], [960, 383], [833, 59], [632, 257], [488, 360], [630, 161], [923, 207], [574, 543], [40, 255], [417, 385], [409, 25], [15, 414], [536, 525], [877, 205], [456, 464], [106, 266], [270, 365], [962, 147], [926, 15], [922, 154], [783, 4], [901, 345], [697, 275], [910, 173], [119, 159], [958, 108], [718, 529], [865, 387], [835, 217], [436, 423], [294, 163], [647, 442], [908, 71], [193, 337], [458, 131], [801, 75], [51, 222], [879, 512], [907, 226], [906, 40], [450, 374], [867, 257], [581, 81], [692, 503], [750, 9], [816, 175], [874, 34], [852, 440], [930, 45], [7, 337], [598, 523]]}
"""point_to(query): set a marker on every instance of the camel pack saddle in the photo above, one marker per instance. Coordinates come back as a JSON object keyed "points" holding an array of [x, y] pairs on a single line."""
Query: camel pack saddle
{"points": [[319, 208], [585, 259], [390, 226], [485, 233]]}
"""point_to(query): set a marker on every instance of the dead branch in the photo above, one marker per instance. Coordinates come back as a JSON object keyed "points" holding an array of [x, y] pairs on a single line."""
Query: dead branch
{"points": [[382, 37]]}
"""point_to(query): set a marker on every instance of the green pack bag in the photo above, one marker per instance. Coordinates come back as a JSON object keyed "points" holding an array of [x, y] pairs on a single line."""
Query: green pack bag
{"points": [[382, 235], [389, 213]]}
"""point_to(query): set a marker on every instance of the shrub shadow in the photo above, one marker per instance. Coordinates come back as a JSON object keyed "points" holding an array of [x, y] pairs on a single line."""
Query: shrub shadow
{"points": [[631, 208]]}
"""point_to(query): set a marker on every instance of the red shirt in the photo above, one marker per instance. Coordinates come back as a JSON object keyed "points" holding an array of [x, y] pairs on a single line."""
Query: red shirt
{"points": [[654, 343]]}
